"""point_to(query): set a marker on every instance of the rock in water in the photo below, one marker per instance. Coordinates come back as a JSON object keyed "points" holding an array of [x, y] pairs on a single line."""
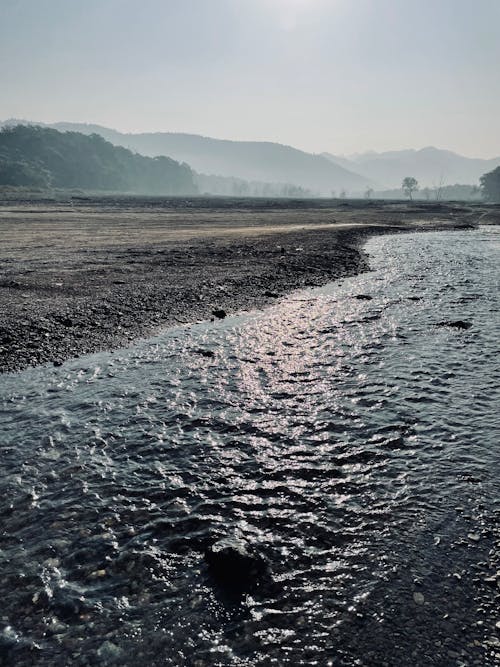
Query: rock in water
{"points": [[235, 566], [219, 313], [455, 324], [206, 353], [109, 652]]}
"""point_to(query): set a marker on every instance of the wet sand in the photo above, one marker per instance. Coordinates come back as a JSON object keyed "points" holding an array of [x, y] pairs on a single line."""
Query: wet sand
{"points": [[84, 275]]}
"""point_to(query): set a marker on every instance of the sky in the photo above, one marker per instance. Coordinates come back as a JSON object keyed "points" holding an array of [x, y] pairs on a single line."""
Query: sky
{"points": [[342, 76]]}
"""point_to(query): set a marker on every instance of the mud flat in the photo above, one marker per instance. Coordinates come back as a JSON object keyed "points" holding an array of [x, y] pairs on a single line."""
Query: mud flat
{"points": [[89, 274]]}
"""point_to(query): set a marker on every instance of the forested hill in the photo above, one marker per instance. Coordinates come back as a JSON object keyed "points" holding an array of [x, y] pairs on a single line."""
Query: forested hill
{"points": [[258, 161], [43, 157]]}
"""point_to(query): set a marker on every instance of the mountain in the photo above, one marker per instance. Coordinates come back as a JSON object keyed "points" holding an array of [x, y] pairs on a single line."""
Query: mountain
{"points": [[286, 168], [44, 157], [258, 161], [430, 166]]}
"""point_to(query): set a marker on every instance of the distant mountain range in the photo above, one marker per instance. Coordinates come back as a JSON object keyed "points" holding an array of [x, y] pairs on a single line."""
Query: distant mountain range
{"points": [[432, 167], [249, 160], [267, 162]]}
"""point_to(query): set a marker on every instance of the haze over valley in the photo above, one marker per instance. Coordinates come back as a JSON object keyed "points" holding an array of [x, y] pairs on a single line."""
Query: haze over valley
{"points": [[270, 169]]}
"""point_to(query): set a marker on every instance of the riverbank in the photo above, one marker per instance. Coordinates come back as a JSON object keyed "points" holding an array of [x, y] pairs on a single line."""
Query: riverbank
{"points": [[85, 275]]}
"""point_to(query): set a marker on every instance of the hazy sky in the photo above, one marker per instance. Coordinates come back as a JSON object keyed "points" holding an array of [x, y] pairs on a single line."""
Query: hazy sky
{"points": [[323, 75]]}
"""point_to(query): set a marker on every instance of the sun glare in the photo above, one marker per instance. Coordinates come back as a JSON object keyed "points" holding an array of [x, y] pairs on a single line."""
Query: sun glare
{"points": [[289, 12]]}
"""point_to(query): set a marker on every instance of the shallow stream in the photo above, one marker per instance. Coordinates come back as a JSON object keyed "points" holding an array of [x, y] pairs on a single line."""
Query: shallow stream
{"points": [[346, 435]]}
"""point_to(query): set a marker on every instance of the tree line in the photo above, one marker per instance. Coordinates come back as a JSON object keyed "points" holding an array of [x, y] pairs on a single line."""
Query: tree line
{"points": [[230, 186], [41, 157], [489, 188]]}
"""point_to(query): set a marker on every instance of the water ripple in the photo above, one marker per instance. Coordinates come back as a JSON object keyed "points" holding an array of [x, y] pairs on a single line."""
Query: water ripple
{"points": [[348, 440]]}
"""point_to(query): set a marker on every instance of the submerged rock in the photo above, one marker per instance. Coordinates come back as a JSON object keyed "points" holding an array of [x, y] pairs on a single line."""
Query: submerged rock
{"points": [[236, 566], [206, 353], [455, 324], [109, 652], [418, 598]]}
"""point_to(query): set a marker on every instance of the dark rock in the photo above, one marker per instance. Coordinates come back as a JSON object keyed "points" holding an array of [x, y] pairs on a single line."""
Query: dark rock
{"points": [[67, 605], [364, 297], [219, 313], [206, 353], [271, 295], [455, 324], [65, 321], [235, 566]]}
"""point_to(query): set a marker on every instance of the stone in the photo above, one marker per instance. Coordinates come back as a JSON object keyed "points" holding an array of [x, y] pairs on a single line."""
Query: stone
{"points": [[418, 598], [206, 353], [219, 313], [109, 652], [235, 565], [455, 324]]}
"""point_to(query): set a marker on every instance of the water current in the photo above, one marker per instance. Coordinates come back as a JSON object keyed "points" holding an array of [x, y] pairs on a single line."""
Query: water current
{"points": [[346, 436]]}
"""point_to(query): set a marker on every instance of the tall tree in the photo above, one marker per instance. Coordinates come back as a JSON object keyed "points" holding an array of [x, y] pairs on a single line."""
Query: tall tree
{"points": [[409, 186]]}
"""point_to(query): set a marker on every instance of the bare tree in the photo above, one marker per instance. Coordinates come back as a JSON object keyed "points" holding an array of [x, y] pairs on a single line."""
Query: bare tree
{"points": [[409, 186], [439, 189]]}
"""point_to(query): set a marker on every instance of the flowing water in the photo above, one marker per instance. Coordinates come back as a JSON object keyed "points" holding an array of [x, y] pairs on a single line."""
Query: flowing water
{"points": [[344, 435]]}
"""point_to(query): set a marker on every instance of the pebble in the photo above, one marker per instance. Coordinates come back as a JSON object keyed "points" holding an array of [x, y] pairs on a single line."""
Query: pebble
{"points": [[418, 598], [97, 573]]}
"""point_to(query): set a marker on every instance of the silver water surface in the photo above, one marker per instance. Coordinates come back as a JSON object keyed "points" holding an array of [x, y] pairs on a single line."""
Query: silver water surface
{"points": [[351, 441]]}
